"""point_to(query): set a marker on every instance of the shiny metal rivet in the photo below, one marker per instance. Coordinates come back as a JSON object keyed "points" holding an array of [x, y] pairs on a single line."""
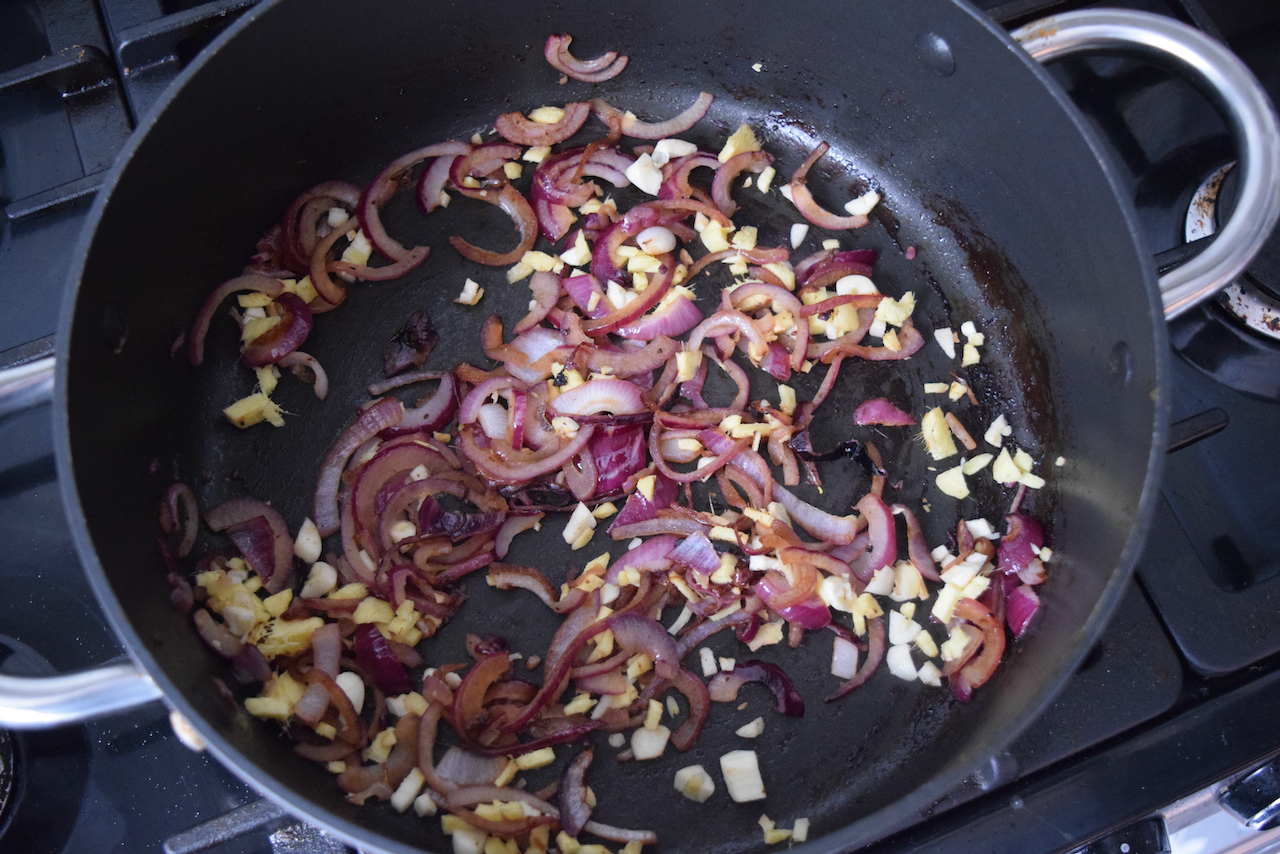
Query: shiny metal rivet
{"points": [[934, 51]]}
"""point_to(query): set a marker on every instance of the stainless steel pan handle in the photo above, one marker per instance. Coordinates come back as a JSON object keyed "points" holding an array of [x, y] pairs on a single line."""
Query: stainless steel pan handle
{"points": [[1233, 89], [40, 702], [37, 702], [25, 386]]}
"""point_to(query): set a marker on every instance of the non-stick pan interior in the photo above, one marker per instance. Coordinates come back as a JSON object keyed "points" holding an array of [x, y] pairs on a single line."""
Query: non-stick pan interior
{"points": [[1014, 223]]}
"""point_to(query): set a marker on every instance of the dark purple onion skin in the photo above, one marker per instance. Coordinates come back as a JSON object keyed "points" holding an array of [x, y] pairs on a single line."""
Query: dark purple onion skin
{"points": [[1020, 545], [772, 677], [640, 509], [254, 540], [696, 551], [436, 522], [619, 453], [375, 656], [410, 346]]}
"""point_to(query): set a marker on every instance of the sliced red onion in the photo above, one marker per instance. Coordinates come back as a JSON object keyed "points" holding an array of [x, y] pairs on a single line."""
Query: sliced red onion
{"points": [[810, 209], [582, 289], [383, 187], [603, 67], [374, 654], [180, 512], [675, 184], [690, 116], [649, 556], [777, 362], [282, 338], [512, 526], [216, 635], [618, 397], [250, 665], [784, 299], [537, 349], [545, 287], [699, 707], [880, 411], [875, 654], [652, 295], [326, 647], [910, 342], [1021, 544], [432, 181], [810, 613], [469, 697], [675, 318], [516, 207], [696, 551], [980, 668], [492, 419], [506, 576], [301, 363], [724, 686], [828, 267], [637, 633], [746, 161], [469, 411], [521, 472], [523, 131], [554, 218], [917, 548], [384, 413], [297, 246], [430, 414], [618, 454], [633, 361], [728, 322], [312, 705], [575, 810], [482, 162], [641, 509], [464, 768], [247, 282], [259, 532], [436, 522], [882, 548], [1020, 606]]}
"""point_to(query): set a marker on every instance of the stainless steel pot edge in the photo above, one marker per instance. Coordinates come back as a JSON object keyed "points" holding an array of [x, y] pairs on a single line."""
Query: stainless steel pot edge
{"points": [[1234, 90]]}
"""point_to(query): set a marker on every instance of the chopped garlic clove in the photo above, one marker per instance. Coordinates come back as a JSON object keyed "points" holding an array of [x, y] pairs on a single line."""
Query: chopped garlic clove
{"points": [[741, 770]]}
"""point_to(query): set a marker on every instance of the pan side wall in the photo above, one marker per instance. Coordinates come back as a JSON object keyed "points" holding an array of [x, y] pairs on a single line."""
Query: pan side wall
{"points": [[1034, 245]]}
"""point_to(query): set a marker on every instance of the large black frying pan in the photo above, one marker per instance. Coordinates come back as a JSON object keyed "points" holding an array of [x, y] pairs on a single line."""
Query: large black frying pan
{"points": [[984, 169]]}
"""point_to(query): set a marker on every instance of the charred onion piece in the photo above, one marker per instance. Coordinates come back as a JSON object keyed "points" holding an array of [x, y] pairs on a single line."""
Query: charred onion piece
{"points": [[409, 347]]}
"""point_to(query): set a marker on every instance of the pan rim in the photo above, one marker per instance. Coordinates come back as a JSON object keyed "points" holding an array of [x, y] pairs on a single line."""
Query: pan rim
{"points": [[853, 834]]}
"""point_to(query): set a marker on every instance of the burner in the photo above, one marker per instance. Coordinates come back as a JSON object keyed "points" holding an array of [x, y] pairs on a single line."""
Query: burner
{"points": [[1255, 297], [1235, 337]]}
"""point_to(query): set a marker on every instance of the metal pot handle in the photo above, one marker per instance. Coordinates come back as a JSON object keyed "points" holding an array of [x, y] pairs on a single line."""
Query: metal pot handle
{"points": [[25, 386], [1233, 89], [38, 702]]}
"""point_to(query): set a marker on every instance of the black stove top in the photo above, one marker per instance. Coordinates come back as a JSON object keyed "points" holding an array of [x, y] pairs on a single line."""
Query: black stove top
{"points": [[1179, 692]]}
